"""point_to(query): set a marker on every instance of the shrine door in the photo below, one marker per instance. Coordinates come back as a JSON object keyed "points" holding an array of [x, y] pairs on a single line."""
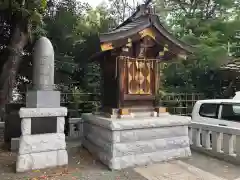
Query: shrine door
{"points": [[140, 77]]}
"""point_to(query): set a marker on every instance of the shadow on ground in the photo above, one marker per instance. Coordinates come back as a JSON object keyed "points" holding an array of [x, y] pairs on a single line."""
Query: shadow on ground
{"points": [[81, 166], [214, 166]]}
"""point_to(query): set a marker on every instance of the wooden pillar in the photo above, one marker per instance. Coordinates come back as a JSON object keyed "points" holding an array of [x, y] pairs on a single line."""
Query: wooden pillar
{"points": [[120, 79]]}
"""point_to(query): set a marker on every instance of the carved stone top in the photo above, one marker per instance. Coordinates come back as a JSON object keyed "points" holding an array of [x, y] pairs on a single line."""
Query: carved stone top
{"points": [[43, 65], [42, 112]]}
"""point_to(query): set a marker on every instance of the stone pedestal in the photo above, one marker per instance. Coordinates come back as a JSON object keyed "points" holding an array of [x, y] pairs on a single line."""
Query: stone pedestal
{"points": [[122, 143], [12, 125], [43, 99], [38, 151]]}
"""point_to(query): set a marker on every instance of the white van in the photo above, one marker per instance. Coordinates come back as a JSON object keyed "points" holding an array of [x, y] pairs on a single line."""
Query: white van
{"points": [[222, 112]]}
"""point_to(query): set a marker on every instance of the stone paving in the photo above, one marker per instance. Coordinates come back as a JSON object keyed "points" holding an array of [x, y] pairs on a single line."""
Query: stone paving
{"points": [[174, 170], [214, 166], [82, 166], [198, 167]]}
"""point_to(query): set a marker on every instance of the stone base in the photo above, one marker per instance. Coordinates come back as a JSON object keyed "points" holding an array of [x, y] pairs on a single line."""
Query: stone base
{"points": [[41, 160], [12, 127], [38, 151], [137, 141], [41, 151], [14, 144], [43, 99]]}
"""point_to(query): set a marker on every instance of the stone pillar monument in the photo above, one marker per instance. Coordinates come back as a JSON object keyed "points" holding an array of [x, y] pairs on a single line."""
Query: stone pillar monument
{"points": [[42, 143], [43, 95]]}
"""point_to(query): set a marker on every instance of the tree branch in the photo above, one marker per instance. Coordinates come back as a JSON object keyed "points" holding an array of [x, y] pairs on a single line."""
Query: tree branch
{"points": [[212, 11], [207, 8], [181, 4]]}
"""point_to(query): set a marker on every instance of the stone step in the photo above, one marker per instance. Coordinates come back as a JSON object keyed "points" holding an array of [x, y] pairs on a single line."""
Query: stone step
{"points": [[141, 109], [144, 114]]}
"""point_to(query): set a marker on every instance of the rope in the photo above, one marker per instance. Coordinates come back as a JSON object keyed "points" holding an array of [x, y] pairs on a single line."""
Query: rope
{"points": [[116, 68]]}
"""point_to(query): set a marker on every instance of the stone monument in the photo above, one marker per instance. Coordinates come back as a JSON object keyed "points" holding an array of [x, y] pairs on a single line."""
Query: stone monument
{"points": [[42, 143]]}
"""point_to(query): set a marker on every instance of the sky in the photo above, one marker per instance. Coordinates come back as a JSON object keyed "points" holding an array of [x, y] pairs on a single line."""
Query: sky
{"points": [[94, 3]]}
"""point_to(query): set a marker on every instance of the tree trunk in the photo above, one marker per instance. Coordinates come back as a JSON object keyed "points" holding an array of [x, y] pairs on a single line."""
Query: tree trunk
{"points": [[229, 91], [18, 41]]}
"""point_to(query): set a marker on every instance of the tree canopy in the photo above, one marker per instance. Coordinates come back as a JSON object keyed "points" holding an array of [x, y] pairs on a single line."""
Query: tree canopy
{"points": [[211, 26]]}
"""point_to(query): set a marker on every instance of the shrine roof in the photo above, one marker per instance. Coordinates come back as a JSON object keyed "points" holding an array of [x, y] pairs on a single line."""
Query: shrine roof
{"points": [[138, 22], [126, 30]]}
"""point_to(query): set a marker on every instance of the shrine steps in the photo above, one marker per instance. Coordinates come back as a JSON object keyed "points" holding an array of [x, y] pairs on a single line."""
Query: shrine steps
{"points": [[141, 109]]}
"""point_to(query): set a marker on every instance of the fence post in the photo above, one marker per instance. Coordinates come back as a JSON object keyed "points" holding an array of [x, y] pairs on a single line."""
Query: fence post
{"points": [[206, 139], [196, 135], [216, 141], [228, 144]]}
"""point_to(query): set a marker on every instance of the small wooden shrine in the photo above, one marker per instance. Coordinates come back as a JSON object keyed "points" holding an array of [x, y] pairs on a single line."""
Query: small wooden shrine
{"points": [[129, 59]]}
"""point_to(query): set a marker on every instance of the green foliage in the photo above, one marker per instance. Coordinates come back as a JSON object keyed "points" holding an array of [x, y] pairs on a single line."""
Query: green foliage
{"points": [[203, 24], [73, 27], [209, 26], [26, 14]]}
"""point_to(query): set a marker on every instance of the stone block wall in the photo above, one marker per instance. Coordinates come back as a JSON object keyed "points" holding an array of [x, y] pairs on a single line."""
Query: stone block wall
{"points": [[126, 143]]}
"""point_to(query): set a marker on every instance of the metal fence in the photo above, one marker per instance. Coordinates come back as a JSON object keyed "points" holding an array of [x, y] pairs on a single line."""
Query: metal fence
{"points": [[78, 103], [181, 103]]}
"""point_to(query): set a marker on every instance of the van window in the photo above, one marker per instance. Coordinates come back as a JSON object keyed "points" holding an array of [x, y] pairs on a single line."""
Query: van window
{"points": [[231, 112], [209, 110]]}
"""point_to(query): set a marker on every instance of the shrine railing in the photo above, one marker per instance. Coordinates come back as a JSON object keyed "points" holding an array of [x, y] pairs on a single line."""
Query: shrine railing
{"points": [[216, 141]]}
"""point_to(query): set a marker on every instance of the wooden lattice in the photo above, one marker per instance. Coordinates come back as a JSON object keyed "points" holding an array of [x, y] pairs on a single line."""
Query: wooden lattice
{"points": [[139, 73], [139, 77]]}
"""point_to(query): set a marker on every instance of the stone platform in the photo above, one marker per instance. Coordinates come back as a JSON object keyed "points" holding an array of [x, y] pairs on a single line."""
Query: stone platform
{"points": [[122, 143]]}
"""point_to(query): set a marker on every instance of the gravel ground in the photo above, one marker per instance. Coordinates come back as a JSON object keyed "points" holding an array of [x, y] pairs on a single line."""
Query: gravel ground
{"points": [[81, 166]]}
